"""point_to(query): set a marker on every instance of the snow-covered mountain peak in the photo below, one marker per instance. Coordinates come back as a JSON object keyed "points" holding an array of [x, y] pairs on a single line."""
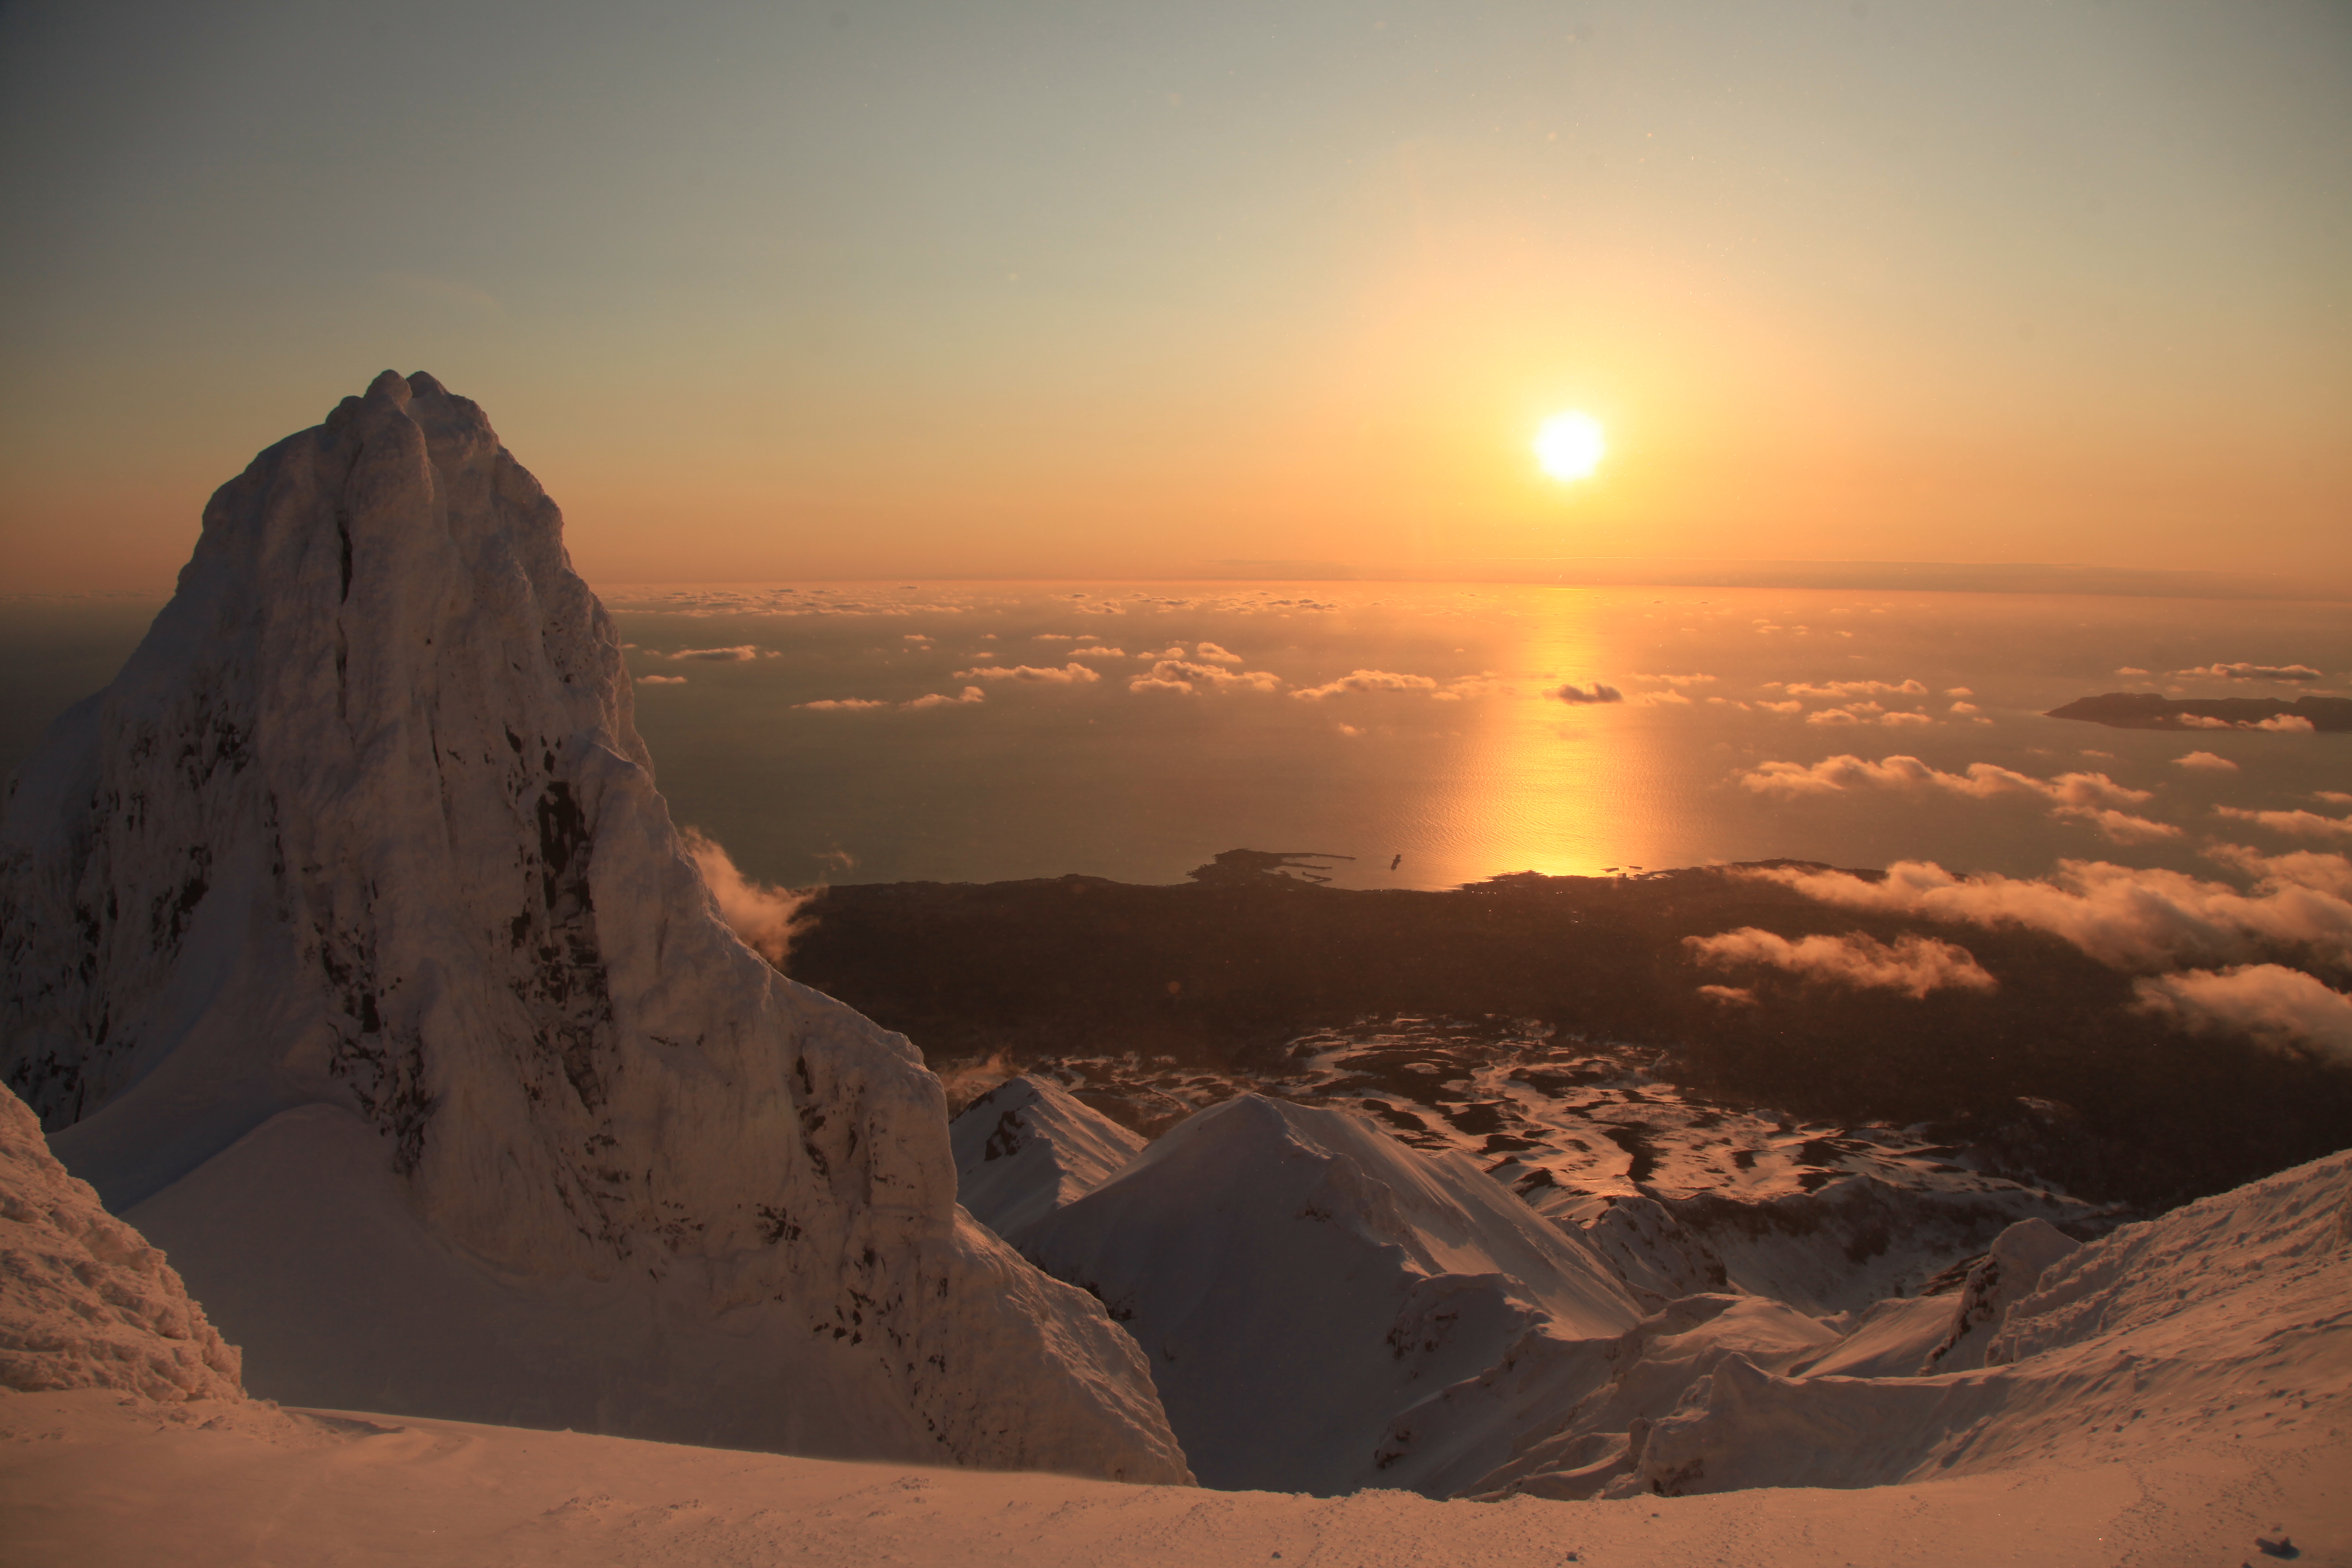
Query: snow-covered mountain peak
{"points": [[1028, 1147], [363, 836]]}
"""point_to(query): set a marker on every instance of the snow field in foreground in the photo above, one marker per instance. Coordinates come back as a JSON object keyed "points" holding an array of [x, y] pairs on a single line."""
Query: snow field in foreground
{"points": [[99, 1479]]}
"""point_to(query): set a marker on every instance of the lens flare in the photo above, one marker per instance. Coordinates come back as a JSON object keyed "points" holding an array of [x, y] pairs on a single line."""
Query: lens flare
{"points": [[1570, 445]]}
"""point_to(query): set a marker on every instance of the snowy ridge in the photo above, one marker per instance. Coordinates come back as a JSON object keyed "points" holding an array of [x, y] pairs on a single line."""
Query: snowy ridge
{"points": [[1303, 1283], [1028, 1147], [2223, 1315], [363, 836], [84, 1301]]}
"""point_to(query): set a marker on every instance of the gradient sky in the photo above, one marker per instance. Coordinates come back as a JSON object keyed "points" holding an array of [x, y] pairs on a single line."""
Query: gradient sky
{"points": [[845, 289]]}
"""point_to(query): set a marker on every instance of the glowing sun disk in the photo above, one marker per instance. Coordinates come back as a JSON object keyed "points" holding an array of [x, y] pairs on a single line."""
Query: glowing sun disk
{"points": [[1569, 446]]}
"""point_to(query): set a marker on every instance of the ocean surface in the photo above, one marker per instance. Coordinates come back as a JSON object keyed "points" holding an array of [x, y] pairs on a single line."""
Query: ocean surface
{"points": [[1437, 735]]}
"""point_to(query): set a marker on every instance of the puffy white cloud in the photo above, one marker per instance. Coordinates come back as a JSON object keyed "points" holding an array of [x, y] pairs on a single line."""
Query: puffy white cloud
{"points": [[2251, 672], [1183, 676], [2331, 797], [1831, 716], [1782, 707], [1071, 674], [2278, 1006], [1051, 637], [1965, 708], [1984, 781], [1678, 679], [661, 680], [1658, 698], [842, 705], [1097, 651], [1213, 654], [1898, 718], [1915, 964], [2130, 669], [766, 918], [2207, 761], [2294, 823], [2295, 868], [1852, 689], [2119, 826], [1581, 695], [2127, 916], [1728, 996], [1366, 680], [1957, 691], [939, 700], [741, 654]]}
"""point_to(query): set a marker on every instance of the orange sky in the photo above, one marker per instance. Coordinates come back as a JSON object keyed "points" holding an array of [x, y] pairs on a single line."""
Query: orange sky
{"points": [[1036, 290]]}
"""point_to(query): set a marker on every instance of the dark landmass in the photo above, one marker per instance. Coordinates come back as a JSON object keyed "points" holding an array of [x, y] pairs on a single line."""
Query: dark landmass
{"points": [[2053, 1066], [2152, 710]]}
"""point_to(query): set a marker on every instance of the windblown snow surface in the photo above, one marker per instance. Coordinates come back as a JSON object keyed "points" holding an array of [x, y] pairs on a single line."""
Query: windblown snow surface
{"points": [[2173, 1393], [350, 950]]}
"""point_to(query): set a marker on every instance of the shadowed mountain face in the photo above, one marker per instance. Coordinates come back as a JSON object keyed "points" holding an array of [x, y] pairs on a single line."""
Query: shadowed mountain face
{"points": [[346, 927]]}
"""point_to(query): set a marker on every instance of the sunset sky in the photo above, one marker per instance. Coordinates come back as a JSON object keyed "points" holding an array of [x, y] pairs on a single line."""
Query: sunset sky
{"points": [[847, 289]]}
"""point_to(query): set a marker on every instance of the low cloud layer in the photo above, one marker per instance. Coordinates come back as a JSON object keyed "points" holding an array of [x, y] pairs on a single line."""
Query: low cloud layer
{"points": [[661, 680], [767, 919], [2093, 798], [2205, 761], [1912, 964], [741, 654], [842, 705], [1360, 680], [940, 700], [2295, 823], [2251, 672], [1071, 674], [1580, 696], [2280, 1006], [1185, 676], [2127, 917]]}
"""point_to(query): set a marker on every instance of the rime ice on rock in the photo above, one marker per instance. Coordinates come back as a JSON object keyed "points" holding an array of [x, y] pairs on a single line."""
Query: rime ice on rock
{"points": [[353, 896], [84, 1301], [1028, 1147]]}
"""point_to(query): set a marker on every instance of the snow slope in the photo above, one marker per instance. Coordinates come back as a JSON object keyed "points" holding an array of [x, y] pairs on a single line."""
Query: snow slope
{"points": [[1028, 1147], [1305, 1284], [358, 868], [2231, 1317], [84, 1301]]}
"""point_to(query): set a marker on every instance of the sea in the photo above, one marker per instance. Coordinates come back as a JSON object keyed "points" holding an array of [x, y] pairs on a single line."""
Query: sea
{"points": [[1417, 735]]}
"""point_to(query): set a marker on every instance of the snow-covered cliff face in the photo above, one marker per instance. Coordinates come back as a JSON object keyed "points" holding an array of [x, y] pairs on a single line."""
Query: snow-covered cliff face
{"points": [[84, 1301], [363, 834]]}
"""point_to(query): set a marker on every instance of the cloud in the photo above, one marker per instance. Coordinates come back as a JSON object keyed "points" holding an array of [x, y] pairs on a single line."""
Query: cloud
{"points": [[1097, 652], [2119, 826], [1052, 637], [1584, 696], [1214, 654], [1984, 781], [1183, 676], [2127, 916], [767, 919], [1173, 650], [1957, 691], [1366, 680], [2291, 723], [1483, 684], [914, 636], [1965, 708], [2282, 1007], [1657, 699], [661, 680], [1728, 996], [2205, 761], [1782, 707], [2332, 797], [2294, 823], [936, 699], [1678, 679], [1852, 688], [1898, 718], [1915, 964], [2295, 868], [842, 705], [1070, 674], [2251, 672], [739, 655]]}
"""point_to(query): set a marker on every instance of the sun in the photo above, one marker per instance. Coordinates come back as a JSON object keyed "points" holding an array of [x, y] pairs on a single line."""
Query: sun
{"points": [[1569, 446]]}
